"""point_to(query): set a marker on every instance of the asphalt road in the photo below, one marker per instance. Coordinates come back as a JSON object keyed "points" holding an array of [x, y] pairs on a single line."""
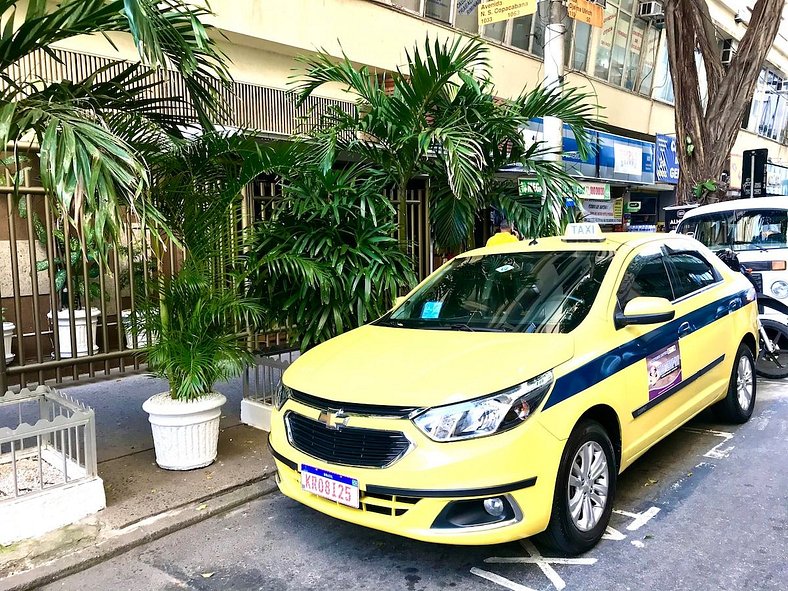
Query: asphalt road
{"points": [[706, 509]]}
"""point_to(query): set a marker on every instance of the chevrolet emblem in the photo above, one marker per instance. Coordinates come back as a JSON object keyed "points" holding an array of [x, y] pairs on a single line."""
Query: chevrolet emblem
{"points": [[333, 419]]}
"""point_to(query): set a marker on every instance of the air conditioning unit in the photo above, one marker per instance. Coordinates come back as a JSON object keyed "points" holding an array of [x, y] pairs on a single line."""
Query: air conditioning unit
{"points": [[728, 51], [651, 10]]}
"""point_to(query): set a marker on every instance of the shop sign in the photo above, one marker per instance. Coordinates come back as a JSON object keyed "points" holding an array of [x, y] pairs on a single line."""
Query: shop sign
{"points": [[618, 208], [599, 191], [667, 170], [467, 6], [625, 159], [528, 188], [599, 212], [632, 207], [493, 11], [628, 158], [585, 12]]}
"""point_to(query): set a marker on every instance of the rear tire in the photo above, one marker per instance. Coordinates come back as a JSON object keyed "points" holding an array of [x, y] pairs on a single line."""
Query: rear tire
{"points": [[765, 366], [738, 404], [584, 491]]}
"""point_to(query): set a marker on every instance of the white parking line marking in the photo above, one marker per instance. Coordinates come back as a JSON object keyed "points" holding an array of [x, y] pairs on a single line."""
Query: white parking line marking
{"points": [[715, 452], [613, 534], [638, 544], [499, 580], [638, 519], [535, 557]]}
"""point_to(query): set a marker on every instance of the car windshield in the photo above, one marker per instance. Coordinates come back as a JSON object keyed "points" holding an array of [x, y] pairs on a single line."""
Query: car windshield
{"points": [[756, 229], [514, 292]]}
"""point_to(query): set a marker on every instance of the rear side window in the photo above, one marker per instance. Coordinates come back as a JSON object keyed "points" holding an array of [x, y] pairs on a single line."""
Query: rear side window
{"points": [[691, 272], [646, 276]]}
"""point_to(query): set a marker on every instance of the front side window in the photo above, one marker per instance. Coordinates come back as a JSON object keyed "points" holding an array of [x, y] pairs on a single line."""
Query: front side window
{"points": [[691, 272], [544, 292], [646, 276]]}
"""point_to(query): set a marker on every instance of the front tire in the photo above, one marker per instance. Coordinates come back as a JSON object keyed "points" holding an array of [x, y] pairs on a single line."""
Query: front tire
{"points": [[584, 492], [738, 404], [765, 366]]}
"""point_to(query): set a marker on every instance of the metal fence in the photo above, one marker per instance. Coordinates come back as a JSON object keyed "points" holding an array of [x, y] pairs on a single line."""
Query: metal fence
{"points": [[67, 311], [66, 308], [51, 441], [263, 378]]}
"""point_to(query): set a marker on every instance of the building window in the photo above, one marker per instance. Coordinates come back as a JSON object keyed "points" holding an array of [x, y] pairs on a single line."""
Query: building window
{"points": [[649, 59], [663, 85], [412, 5], [632, 67], [604, 50], [582, 37], [522, 32], [438, 9]]}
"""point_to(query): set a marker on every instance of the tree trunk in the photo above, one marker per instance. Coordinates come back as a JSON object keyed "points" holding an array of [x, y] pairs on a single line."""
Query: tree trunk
{"points": [[708, 119]]}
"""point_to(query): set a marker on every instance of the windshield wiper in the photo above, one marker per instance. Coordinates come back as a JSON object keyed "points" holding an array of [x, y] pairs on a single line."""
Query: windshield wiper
{"points": [[466, 328]]}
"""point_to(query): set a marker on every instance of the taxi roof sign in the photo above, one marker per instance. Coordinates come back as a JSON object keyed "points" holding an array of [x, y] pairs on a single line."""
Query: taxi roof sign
{"points": [[585, 232]]}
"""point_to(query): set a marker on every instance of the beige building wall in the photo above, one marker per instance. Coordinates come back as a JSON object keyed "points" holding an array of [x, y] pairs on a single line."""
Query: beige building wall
{"points": [[263, 37]]}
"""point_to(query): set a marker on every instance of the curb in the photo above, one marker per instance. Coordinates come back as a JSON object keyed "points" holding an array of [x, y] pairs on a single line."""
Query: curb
{"points": [[139, 533]]}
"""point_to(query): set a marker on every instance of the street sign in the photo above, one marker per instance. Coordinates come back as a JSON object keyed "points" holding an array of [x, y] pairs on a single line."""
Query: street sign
{"points": [[667, 160], [753, 173], [585, 12], [493, 11], [528, 187]]}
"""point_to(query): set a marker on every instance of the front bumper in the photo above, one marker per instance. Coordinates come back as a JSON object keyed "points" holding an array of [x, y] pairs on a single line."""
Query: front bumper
{"points": [[411, 496]]}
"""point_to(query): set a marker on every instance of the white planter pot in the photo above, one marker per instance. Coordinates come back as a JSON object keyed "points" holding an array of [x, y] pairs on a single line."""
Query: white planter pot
{"points": [[142, 337], [185, 434], [81, 329], [8, 337]]}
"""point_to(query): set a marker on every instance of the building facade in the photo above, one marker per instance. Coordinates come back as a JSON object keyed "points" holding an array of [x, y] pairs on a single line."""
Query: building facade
{"points": [[623, 65]]}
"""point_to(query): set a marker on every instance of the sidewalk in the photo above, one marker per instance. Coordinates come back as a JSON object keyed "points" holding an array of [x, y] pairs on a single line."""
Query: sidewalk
{"points": [[143, 501]]}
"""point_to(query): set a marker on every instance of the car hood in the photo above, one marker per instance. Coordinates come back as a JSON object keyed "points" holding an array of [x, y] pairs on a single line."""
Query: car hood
{"points": [[409, 367]]}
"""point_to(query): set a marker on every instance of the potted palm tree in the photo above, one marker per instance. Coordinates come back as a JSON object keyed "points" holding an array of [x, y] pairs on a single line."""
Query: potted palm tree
{"points": [[84, 270], [200, 329]]}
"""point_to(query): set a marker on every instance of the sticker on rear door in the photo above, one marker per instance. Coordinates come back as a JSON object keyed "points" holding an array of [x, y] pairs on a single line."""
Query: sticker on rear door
{"points": [[664, 370]]}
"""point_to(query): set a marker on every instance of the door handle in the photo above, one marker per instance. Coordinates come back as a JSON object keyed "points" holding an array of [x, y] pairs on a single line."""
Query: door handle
{"points": [[684, 329], [734, 304]]}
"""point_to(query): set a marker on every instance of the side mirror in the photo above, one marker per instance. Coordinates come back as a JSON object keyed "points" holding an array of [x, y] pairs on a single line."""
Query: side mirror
{"points": [[645, 311], [398, 301]]}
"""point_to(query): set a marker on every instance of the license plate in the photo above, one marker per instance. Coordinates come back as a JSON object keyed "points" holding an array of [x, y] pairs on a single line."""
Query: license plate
{"points": [[329, 485]]}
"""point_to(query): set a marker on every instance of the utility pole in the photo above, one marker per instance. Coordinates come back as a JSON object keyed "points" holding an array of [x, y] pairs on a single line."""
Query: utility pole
{"points": [[554, 71], [554, 76]]}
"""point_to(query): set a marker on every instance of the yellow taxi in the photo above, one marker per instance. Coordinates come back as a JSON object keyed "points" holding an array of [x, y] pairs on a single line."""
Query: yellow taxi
{"points": [[502, 397]]}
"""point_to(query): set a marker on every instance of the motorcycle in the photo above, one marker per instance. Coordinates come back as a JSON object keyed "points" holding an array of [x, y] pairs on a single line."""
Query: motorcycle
{"points": [[772, 359]]}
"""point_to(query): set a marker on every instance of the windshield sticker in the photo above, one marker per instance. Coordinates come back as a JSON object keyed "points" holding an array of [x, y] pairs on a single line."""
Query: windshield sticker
{"points": [[664, 370], [431, 310], [505, 268]]}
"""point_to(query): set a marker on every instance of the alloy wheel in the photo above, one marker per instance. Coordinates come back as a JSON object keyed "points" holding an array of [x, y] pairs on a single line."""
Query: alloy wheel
{"points": [[744, 383], [587, 490]]}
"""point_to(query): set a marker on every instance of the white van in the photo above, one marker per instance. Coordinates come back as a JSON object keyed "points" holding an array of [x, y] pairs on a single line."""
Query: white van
{"points": [[755, 229]]}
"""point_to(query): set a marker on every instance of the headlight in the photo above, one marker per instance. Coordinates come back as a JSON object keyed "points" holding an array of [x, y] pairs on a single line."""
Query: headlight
{"points": [[780, 289], [485, 416], [280, 396]]}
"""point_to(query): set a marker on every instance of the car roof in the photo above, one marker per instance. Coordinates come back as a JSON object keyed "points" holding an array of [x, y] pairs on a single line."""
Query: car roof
{"points": [[738, 204], [612, 241]]}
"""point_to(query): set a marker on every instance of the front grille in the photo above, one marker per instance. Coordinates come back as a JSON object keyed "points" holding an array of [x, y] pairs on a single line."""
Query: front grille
{"points": [[348, 446]]}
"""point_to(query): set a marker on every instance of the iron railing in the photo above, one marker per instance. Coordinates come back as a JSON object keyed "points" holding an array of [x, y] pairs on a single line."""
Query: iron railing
{"points": [[51, 441]]}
